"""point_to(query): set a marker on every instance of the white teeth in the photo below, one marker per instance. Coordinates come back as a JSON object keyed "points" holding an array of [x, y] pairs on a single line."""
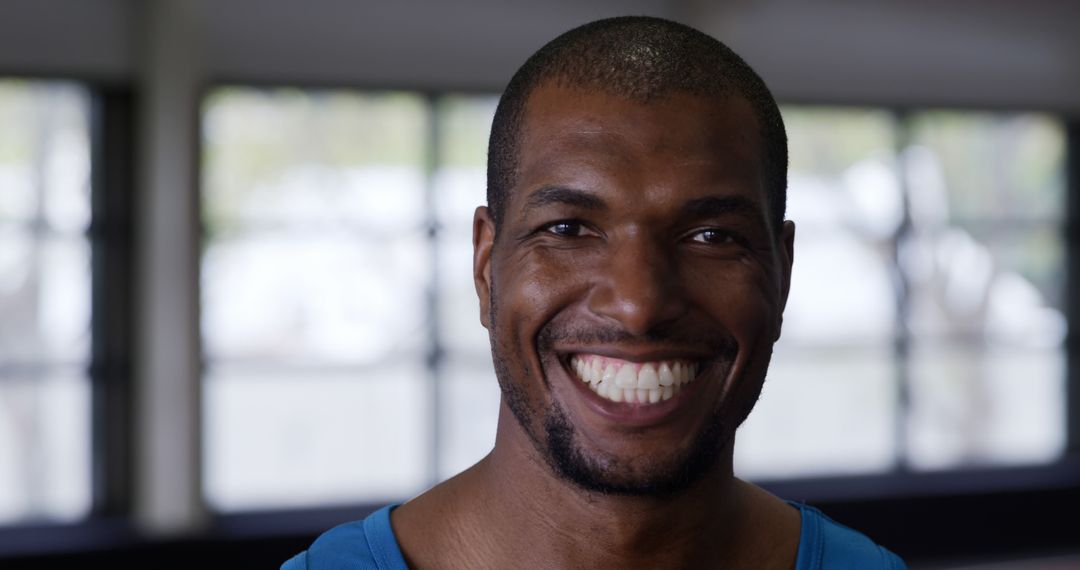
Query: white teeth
{"points": [[615, 394], [666, 377], [612, 393], [647, 378], [626, 377], [621, 381], [654, 396], [685, 373]]}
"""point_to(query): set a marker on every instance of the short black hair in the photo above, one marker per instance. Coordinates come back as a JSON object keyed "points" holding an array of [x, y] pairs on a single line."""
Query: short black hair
{"points": [[639, 58]]}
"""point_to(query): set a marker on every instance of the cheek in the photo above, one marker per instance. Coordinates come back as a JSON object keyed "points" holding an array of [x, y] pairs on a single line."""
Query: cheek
{"points": [[532, 288], [746, 303], [742, 298], [535, 285]]}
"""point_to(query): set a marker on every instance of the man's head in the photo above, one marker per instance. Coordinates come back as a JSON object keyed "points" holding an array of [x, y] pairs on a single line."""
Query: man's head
{"points": [[642, 59], [633, 264]]}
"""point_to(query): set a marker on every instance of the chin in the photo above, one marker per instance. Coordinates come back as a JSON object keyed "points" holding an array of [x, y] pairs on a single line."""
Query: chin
{"points": [[608, 474]]}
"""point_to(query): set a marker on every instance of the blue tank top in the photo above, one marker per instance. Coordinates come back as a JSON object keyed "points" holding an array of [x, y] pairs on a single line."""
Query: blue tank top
{"points": [[370, 544]]}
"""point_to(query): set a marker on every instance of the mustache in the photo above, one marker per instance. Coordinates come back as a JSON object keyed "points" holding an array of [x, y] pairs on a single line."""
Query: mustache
{"points": [[553, 334]]}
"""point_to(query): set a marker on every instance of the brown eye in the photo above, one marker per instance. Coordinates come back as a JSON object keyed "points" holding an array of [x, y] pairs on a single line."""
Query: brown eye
{"points": [[712, 236], [566, 228]]}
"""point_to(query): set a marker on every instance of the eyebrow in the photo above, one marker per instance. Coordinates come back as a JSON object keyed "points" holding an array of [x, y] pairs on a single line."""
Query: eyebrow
{"points": [[696, 209], [560, 195], [715, 206]]}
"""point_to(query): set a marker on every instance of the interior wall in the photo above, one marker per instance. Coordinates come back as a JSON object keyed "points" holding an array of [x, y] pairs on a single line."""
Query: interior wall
{"points": [[970, 53], [85, 39], [984, 53], [994, 53], [466, 44]]}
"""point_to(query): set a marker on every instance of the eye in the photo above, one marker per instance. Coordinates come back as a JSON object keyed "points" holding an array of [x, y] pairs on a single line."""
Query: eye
{"points": [[566, 228], [713, 236]]}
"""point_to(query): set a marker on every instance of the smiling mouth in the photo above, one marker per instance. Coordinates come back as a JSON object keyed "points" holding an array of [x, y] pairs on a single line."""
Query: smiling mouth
{"points": [[633, 382]]}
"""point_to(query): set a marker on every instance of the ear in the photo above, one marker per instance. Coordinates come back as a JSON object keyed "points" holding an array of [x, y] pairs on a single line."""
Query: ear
{"points": [[786, 253], [483, 240]]}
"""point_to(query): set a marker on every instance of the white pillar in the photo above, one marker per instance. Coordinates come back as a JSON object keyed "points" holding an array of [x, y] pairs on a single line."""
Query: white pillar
{"points": [[167, 494]]}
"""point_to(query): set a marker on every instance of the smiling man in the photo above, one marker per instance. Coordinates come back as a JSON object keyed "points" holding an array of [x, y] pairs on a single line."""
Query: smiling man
{"points": [[632, 267]]}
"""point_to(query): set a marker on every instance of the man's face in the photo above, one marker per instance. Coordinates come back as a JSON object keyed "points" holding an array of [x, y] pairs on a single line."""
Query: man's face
{"points": [[635, 287]]}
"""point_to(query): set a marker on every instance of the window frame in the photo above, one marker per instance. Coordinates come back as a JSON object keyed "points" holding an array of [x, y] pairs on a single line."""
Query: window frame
{"points": [[112, 306], [110, 238], [878, 504], [965, 505], [893, 482]]}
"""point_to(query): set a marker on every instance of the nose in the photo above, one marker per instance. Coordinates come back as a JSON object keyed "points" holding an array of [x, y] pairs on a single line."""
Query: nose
{"points": [[638, 286]]}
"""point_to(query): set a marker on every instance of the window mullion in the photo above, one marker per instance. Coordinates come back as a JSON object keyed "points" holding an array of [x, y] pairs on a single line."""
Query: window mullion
{"points": [[112, 275], [432, 159], [1072, 284], [168, 498], [902, 288]]}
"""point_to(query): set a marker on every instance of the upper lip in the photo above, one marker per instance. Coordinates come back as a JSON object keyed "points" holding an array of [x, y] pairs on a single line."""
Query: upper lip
{"points": [[639, 354]]}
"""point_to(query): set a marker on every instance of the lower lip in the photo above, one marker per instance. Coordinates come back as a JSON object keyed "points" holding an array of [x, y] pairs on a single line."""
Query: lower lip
{"points": [[632, 414]]}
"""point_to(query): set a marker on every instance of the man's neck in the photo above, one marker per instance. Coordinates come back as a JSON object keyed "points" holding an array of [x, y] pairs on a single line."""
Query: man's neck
{"points": [[512, 510], [569, 526]]}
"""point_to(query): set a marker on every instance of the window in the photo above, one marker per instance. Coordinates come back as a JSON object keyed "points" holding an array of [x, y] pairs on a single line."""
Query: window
{"points": [[350, 216], [985, 267], [315, 277], [833, 373], [45, 293], [469, 395], [926, 320], [924, 329]]}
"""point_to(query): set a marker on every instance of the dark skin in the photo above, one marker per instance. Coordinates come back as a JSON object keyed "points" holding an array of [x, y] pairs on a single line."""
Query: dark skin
{"points": [[636, 217]]}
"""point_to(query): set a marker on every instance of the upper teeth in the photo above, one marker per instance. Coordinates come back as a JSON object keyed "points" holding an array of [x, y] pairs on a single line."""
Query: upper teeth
{"points": [[624, 381]]}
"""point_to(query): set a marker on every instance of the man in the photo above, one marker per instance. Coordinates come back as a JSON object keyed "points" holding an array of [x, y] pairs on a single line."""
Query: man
{"points": [[632, 267]]}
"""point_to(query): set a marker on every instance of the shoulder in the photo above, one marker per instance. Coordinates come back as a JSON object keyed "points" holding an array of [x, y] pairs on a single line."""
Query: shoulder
{"points": [[363, 544], [827, 545]]}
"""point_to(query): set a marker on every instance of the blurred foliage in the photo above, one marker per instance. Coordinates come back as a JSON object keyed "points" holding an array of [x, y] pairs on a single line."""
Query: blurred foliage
{"points": [[1001, 166], [1004, 177], [16, 97], [1036, 253], [33, 114], [829, 140], [464, 123], [253, 138]]}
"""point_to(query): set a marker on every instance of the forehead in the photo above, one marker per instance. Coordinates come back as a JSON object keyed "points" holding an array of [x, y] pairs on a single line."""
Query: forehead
{"points": [[591, 139]]}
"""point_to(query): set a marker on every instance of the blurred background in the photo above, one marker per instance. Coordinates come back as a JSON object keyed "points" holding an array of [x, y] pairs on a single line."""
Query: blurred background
{"points": [[236, 304]]}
